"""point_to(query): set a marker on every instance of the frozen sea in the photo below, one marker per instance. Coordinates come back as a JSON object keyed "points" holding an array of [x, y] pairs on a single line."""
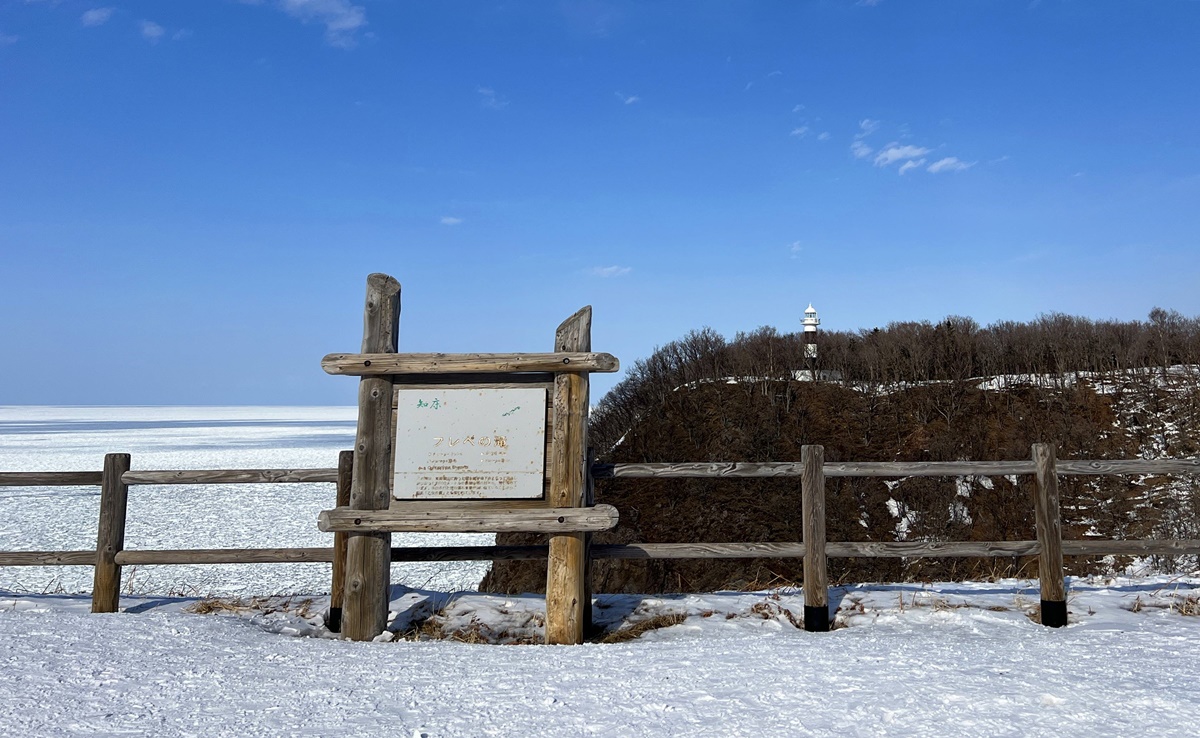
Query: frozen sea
{"points": [[189, 516]]}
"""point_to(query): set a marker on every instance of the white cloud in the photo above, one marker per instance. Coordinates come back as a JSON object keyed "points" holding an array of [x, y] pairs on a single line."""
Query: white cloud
{"points": [[911, 164], [181, 34], [6, 39], [866, 127], [950, 164], [96, 16], [450, 220], [796, 248], [860, 150], [824, 136], [151, 31], [610, 271], [489, 99], [894, 152], [797, 108], [341, 19], [800, 132], [628, 99]]}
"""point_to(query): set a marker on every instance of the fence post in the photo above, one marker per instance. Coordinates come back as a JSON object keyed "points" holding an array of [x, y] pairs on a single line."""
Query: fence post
{"points": [[1049, 534], [368, 555], [566, 593], [110, 534], [337, 587], [816, 577]]}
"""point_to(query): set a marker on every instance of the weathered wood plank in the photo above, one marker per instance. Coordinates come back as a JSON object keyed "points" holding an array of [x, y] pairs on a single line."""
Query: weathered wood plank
{"points": [[147, 557], [368, 560], [901, 549], [719, 470], [231, 476], [566, 592], [498, 380], [337, 584], [556, 520], [1049, 534], [1162, 547], [367, 364], [47, 558], [816, 577], [110, 536], [50, 479]]}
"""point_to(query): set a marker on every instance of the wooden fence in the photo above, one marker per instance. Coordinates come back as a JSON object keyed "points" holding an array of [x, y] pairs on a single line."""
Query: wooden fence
{"points": [[115, 479]]}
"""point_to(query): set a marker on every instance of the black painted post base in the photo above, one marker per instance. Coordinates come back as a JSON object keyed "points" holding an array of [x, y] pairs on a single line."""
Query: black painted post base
{"points": [[816, 619], [1054, 614], [334, 621]]}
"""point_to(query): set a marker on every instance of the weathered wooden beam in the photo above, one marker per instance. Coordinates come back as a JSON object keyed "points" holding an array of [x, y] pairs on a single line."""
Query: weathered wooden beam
{"points": [[723, 470], [230, 476], [47, 558], [110, 536], [1049, 534], [50, 479], [1161, 547], [368, 560], [566, 592], [816, 576], [558, 520], [367, 364], [146, 557], [337, 584]]}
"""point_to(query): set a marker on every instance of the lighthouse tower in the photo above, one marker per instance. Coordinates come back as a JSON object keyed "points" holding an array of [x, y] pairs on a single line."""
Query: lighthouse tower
{"points": [[811, 321]]}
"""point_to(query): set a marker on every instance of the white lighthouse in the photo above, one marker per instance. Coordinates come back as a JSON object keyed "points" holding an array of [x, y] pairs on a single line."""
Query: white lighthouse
{"points": [[811, 321]]}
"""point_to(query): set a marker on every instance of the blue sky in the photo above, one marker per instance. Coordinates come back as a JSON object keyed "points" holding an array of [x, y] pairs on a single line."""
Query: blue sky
{"points": [[193, 192]]}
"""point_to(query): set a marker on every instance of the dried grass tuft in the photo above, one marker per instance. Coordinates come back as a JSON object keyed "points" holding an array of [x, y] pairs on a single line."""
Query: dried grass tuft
{"points": [[640, 628]]}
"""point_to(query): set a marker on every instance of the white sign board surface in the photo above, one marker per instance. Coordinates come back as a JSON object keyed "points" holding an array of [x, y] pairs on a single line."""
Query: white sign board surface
{"points": [[469, 443]]}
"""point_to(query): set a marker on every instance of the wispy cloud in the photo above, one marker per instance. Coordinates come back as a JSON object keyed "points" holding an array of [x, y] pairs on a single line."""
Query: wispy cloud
{"points": [[342, 20], [96, 16], [795, 249], [450, 220], [797, 108], [950, 164], [151, 31], [7, 39], [866, 127], [610, 271], [489, 99], [911, 164], [628, 99], [824, 136], [799, 132], [860, 150], [894, 152]]}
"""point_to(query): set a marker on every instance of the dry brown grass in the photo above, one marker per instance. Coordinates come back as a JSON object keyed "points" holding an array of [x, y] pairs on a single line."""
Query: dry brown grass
{"points": [[640, 628], [255, 605]]}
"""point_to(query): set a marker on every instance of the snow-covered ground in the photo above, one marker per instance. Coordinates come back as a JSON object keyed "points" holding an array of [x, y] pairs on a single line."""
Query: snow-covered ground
{"points": [[906, 659]]}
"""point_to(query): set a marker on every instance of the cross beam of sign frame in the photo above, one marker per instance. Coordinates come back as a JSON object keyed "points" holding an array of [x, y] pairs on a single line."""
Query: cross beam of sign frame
{"points": [[485, 442]]}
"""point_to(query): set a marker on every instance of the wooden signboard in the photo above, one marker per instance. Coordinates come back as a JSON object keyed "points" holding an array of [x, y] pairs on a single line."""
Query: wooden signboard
{"points": [[462, 443]]}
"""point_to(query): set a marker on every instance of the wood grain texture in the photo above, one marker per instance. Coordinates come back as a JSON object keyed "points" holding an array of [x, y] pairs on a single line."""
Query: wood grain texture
{"points": [[368, 559], [50, 479], [1049, 525], [566, 593], [337, 581], [477, 520], [812, 492], [367, 364], [720, 470], [231, 476], [110, 535], [226, 556], [47, 558], [501, 381]]}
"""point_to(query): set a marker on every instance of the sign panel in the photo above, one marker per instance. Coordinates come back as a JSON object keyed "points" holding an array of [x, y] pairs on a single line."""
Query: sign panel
{"points": [[469, 443]]}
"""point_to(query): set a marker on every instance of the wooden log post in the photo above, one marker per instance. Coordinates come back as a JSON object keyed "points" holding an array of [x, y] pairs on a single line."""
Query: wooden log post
{"points": [[368, 554], [566, 592], [1049, 534], [816, 576], [110, 535], [337, 586]]}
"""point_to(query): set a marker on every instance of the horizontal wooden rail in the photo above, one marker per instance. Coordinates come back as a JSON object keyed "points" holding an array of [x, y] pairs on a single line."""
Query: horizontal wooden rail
{"points": [[47, 558], [476, 520], [739, 470], [49, 479], [361, 365], [230, 476], [225, 556]]}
